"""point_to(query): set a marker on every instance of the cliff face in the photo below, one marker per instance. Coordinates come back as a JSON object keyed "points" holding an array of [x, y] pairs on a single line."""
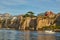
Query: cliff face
{"points": [[57, 20], [35, 22], [42, 22], [38, 22], [31, 22], [26, 22]]}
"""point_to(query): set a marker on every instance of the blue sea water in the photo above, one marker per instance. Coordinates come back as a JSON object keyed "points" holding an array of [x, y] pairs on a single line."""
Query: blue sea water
{"points": [[27, 35]]}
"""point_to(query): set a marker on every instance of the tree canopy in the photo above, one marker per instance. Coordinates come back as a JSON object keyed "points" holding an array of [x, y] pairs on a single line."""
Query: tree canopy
{"points": [[29, 14]]}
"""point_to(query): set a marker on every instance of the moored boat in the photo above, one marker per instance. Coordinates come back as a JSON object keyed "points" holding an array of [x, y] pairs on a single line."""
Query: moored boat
{"points": [[49, 31]]}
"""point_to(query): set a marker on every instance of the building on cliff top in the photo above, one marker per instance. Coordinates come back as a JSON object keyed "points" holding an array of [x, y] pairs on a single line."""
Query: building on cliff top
{"points": [[50, 14]]}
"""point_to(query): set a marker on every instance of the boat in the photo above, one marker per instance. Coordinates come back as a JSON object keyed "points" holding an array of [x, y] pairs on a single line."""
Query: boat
{"points": [[49, 31]]}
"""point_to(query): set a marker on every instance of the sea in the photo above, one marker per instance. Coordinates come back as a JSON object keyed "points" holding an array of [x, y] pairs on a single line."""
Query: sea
{"points": [[27, 35]]}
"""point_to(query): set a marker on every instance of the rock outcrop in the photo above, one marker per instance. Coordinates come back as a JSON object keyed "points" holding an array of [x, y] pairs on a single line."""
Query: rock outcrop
{"points": [[26, 22], [57, 20], [42, 22], [31, 22]]}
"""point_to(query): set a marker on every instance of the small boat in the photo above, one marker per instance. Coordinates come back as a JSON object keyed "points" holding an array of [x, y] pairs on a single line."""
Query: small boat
{"points": [[49, 31]]}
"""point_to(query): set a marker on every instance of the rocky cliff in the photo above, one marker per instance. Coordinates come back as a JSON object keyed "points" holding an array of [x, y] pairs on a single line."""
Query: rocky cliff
{"points": [[34, 23]]}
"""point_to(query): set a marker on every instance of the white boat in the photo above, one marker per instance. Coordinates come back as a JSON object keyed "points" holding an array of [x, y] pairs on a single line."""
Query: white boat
{"points": [[49, 31]]}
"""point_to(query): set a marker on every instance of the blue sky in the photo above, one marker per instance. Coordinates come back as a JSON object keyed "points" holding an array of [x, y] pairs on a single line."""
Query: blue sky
{"points": [[16, 7]]}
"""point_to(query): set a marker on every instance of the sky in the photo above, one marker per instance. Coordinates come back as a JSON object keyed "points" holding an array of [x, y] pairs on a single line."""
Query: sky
{"points": [[19, 7]]}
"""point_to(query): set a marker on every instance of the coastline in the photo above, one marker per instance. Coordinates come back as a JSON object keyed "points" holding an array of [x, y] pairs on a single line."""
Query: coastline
{"points": [[55, 30]]}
